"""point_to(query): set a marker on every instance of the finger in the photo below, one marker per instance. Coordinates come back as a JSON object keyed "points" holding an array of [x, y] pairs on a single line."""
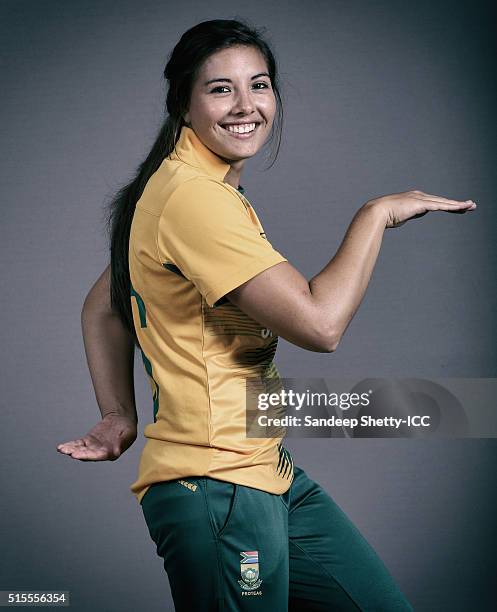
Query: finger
{"points": [[448, 207], [66, 450], [463, 211], [90, 454], [441, 205], [78, 441], [70, 446], [436, 198], [79, 444]]}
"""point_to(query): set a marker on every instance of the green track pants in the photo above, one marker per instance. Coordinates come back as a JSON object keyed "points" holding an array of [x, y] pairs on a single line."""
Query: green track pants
{"points": [[227, 547]]}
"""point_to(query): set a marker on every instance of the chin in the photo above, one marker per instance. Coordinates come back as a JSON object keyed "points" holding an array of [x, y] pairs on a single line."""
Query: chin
{"points": [[239, 156], [236, 153]]}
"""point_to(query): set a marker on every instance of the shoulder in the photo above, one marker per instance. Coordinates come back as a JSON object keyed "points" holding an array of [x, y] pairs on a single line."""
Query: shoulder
{"points": [[201, 195], [208, 185]]}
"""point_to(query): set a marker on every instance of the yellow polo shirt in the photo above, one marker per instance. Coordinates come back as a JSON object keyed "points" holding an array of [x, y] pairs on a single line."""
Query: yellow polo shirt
{"points": [[193, 239]]}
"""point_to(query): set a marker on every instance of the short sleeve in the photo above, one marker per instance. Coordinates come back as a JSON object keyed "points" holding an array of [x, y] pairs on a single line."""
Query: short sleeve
{"points": [[205, 231]]}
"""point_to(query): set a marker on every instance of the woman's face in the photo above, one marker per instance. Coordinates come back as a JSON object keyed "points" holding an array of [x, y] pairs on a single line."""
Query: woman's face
{"points": [[232, 88]]}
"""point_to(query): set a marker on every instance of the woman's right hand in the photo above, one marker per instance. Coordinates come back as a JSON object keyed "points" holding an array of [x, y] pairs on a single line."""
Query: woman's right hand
{"points": [[107, 441], [400, 207]]}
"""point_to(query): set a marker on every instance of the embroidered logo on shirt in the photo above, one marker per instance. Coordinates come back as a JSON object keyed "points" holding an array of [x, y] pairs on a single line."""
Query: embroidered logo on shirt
{"points": [[188, 485], [249, 568]]}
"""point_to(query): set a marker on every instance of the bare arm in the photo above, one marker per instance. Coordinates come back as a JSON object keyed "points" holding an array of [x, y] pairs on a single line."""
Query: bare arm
{"points": [[314, 315], [109, 351], [110, 355]]}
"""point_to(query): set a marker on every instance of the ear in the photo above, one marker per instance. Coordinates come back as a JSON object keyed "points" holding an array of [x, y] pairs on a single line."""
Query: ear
{"points": [[186, 119]]}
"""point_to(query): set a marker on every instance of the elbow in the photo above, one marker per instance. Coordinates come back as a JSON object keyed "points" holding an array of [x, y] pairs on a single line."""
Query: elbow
{"points": [[331, 346], [90, 311], [86, 309], [85, 319], [323, 339], [330, 340]]}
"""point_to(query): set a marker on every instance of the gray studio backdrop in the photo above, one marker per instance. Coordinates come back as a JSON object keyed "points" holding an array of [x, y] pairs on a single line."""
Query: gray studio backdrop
{"points": [[379, 97]]}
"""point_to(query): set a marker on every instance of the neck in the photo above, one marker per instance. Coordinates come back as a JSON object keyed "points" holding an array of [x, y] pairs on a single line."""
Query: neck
{"points": [[233, 175]]}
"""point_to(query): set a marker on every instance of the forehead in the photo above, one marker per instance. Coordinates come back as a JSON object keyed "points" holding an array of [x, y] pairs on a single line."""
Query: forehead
{"points": [[235, 60]]}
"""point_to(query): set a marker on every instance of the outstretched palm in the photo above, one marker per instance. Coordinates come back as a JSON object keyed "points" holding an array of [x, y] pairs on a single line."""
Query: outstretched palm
{"points": [[105, 442]]}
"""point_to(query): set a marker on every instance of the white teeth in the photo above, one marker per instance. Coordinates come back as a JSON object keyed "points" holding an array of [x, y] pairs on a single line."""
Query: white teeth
{"points": [[240, 129]]}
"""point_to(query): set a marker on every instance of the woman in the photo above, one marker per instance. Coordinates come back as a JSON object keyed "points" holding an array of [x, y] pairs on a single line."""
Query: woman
{"points": [[197, 285]]}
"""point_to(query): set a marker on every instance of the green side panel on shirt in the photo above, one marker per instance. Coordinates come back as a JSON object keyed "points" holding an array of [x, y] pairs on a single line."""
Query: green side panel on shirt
{"points": [[146, 361], [141, 308]]}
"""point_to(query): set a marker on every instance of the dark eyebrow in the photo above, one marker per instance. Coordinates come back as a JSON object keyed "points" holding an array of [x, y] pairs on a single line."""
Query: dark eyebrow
{"points": [[225, 80]]}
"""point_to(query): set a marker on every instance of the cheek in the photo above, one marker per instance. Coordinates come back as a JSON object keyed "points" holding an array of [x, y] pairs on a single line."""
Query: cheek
{"points": [[269, 106], [215, 110]]}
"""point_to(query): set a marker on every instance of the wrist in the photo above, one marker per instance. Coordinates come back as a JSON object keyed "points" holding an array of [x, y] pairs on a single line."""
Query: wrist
{"points": [[129, 414], [378, 210]]}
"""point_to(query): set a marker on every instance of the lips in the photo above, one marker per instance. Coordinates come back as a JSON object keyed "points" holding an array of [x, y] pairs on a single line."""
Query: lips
{"points": [[244, 123], [241, 135]]}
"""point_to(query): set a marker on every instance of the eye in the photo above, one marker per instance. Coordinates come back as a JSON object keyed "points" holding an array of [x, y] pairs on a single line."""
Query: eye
{"points": [[216, 89], [221, 87]]}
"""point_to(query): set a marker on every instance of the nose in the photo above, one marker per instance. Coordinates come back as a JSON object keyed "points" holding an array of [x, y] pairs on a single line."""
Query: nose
{"points": [[244, 103]]}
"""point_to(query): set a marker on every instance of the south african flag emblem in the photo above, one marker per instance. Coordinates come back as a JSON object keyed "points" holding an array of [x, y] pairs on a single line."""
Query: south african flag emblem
{"points": [[249, 569]]}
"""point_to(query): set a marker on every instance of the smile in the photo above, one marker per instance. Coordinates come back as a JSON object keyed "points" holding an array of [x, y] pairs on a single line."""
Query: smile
{"points": [[242, 130]]}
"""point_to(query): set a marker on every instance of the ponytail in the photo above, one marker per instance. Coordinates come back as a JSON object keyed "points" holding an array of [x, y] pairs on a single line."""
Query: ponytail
{"points": [[120, 215]]}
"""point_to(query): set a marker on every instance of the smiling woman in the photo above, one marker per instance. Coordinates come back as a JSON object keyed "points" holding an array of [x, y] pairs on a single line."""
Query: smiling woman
{"points": [[195, 283], [234, 119]]}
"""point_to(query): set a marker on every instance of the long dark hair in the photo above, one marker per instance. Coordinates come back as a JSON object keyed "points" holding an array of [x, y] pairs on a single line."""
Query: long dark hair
{"points": [[182, 67]]}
